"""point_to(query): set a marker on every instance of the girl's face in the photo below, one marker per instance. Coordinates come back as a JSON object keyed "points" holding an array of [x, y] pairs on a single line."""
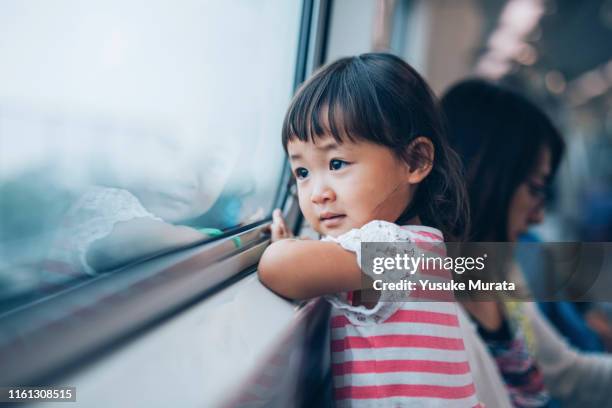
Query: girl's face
{"points": [[345, 186], [527, 204]]}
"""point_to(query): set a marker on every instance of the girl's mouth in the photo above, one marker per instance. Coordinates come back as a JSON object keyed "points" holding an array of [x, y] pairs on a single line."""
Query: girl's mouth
{"points": [[331, 221]]}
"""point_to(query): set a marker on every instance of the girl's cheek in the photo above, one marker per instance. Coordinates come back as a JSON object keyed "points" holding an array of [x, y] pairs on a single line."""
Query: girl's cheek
{"points": [[301, 202], [304, 202]]}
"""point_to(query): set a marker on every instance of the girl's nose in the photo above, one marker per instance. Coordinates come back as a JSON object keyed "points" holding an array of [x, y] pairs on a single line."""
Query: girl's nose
{"points": [[322, 194]]}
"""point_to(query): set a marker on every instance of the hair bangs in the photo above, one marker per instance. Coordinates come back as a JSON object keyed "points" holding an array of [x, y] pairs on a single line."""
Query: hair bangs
{"points": [[334, 103]]}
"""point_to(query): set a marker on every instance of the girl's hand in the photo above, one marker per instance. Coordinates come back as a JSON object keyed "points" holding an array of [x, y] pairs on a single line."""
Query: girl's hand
{"points": [[279, 229]]}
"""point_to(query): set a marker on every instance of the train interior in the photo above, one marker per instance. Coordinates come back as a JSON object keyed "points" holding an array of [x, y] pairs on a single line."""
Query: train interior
{"points": [[141, 160]]}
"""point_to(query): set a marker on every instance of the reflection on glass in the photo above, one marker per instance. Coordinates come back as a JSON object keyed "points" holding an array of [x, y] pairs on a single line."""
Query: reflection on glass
{"points": [[130, 128]]}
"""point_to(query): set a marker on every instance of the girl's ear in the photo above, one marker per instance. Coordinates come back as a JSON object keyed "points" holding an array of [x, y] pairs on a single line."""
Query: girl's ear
{"points": [[420, 153]]}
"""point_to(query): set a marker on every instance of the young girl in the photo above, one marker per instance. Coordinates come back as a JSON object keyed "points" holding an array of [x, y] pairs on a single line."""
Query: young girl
{"points": [[366, 147]]}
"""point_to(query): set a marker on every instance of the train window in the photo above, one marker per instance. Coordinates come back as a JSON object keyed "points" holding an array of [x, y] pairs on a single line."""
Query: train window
{"points": [[128, 128]]}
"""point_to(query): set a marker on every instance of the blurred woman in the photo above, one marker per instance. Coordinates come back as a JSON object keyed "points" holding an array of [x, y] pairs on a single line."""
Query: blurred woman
{"points": [[510, 151]]}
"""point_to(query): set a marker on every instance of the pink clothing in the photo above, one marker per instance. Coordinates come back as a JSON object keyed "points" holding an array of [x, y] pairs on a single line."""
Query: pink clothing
{"points": [[398, 353]]}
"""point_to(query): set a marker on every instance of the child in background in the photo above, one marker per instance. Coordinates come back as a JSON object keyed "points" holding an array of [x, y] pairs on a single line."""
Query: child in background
{"points": [[365, 142]]}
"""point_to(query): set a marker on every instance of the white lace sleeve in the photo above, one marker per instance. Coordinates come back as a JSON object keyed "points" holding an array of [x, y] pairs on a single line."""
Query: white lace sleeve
{"points": [[92, 217], [374, 231]]}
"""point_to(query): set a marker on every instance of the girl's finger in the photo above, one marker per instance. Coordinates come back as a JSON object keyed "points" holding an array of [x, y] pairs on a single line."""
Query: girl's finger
{"points": [[274, 232], [280, 230], [277, 217], [276, 229]]}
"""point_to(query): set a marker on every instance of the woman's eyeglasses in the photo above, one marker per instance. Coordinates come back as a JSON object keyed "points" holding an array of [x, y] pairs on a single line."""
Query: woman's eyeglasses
{"points": [[539, 191]]}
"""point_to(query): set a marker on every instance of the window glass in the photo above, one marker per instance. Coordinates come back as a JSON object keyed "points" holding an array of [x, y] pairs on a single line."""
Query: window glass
{"points": [[132, 127]]}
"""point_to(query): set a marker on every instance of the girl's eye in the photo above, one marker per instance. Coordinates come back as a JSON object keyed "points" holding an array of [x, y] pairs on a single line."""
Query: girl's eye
{"points": [[301, 173], [337, 164]]}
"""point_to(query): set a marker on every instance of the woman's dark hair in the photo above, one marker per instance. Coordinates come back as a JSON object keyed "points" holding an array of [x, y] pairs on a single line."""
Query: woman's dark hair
{"points": [[499, 136], [380, 98]]}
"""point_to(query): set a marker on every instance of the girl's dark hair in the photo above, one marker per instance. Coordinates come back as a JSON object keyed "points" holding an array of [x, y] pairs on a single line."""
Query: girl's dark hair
{"points": [[499, 136], [380, 98]]}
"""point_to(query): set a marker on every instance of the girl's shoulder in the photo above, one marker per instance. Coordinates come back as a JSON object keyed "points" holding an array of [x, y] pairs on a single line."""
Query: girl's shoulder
{"points": [[384, 231], [424, 233]]}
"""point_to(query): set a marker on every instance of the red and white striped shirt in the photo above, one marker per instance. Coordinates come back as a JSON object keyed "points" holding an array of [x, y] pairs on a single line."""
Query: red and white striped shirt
{"points": [[397, 354]]}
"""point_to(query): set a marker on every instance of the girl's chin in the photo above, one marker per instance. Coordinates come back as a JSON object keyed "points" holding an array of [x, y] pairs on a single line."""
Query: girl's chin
{"points": [[336, 232]]}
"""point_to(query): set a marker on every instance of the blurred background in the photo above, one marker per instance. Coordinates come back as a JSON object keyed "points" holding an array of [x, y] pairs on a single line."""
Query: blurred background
{"points": [[556, 52]]}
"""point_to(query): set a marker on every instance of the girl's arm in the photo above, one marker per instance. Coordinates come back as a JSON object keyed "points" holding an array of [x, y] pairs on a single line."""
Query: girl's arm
{"points": [[299, 269]]}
